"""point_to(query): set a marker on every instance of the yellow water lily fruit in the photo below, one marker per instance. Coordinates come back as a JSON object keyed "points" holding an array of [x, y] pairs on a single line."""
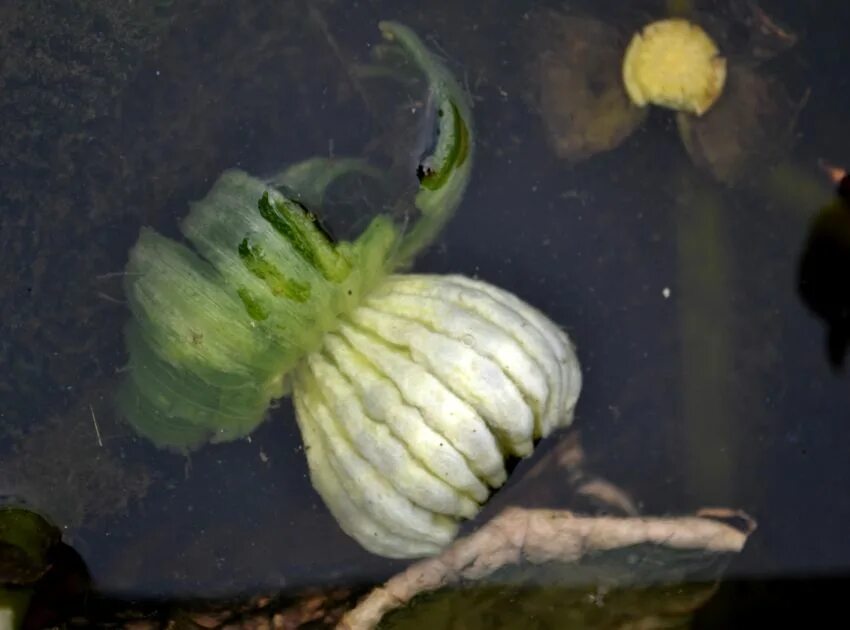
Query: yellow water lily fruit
{"points": [[674, 63], [411, 408]]}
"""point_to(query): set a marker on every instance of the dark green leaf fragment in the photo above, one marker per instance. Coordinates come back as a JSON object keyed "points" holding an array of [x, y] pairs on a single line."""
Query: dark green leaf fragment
{"points": [[255, 310], [280, 286], [302, 230], [451, 152]]}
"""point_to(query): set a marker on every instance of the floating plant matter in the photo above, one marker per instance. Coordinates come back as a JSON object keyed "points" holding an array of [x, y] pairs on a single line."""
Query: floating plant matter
{"points": [[674, 63], [410, 390], [734, 118], [578, 81]]}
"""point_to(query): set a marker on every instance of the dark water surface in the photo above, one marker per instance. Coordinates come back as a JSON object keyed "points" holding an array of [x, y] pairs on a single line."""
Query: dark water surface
{"points": [[115, 117]]}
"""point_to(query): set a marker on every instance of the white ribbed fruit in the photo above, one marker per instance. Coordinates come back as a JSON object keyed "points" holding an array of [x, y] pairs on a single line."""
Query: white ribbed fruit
{"points": [[410, 408]]}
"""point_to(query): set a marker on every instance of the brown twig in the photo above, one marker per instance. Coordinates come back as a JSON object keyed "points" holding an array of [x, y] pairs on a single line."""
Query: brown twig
{"points": [[539, 537]]}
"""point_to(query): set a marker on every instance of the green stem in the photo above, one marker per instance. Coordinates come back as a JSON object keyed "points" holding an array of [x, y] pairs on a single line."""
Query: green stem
{"points": [[707, 341]]}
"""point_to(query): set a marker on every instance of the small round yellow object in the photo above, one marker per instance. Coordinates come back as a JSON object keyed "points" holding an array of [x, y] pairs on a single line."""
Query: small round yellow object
{"points": [[675, 64]]}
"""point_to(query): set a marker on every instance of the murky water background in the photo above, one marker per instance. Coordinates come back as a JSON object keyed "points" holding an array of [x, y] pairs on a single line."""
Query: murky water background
{"points": [[114, 117]]}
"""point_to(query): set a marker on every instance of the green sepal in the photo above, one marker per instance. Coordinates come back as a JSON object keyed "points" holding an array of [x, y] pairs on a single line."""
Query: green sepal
{"points": [[278, 284], [217, 327], [214, 335], [303, 230], [178, 408], [189, 317]]}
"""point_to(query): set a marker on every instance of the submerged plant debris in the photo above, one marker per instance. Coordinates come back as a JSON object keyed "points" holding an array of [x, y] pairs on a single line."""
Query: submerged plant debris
{"points": [[25, 540], [733, 116], [750, 129], [581, 99], [551, 568], [538, 568]]}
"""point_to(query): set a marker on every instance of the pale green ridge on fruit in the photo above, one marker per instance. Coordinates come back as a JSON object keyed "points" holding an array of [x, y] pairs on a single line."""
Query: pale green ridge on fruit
{"points": [[400, 369]]}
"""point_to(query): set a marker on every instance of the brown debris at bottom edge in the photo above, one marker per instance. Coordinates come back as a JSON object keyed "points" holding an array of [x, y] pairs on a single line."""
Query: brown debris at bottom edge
{"points": [[537, 537]]}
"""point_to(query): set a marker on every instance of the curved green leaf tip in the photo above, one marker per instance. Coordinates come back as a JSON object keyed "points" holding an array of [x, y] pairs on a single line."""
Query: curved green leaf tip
{"points": [[218, 323], [444, 174]]}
